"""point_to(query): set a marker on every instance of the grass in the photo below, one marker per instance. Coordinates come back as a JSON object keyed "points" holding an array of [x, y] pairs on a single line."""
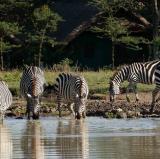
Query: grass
{"points": [[98, 81]]}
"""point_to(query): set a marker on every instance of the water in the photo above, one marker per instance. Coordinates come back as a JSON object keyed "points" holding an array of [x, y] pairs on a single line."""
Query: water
{"points": [[93, 138]]}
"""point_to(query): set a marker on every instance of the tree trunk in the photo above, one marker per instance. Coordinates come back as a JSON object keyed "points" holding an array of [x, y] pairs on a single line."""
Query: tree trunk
{"points": [[1, 54], [156, 20], [41, 45], [113, 54], [40, 51]]}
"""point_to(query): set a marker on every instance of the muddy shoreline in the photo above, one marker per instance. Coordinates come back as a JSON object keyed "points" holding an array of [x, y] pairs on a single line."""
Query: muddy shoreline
{"points": [[97, 106]]}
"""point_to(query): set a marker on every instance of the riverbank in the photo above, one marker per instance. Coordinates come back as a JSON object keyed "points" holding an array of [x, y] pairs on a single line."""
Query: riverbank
{"points": [[97, 105]]}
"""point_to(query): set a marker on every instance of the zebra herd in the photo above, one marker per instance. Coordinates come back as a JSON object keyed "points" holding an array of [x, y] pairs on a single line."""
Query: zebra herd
{"points": [[73, 89]]}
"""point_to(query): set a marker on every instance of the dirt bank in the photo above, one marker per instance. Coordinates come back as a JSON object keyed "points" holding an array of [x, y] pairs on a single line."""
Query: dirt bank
{"points": [[99, 105]]}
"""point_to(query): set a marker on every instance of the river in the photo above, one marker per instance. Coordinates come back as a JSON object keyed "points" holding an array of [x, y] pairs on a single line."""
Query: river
{"points": [[92, 138]]}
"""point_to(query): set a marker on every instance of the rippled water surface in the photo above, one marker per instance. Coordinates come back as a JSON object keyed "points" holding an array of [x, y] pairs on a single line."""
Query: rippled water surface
{"points": [[92, 138]]}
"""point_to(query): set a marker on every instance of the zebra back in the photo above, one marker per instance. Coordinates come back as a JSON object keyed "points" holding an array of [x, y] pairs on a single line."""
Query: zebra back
{"points": [[32, 81], [68, 85], [143, 72]]}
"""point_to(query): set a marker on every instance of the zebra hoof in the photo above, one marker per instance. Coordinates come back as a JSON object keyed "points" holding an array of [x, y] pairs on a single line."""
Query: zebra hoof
{"points": [[78, 116], [35, 117]]}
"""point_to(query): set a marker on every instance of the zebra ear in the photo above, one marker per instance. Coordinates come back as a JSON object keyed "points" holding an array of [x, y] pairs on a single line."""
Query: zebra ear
{"points": [[28, 95]]}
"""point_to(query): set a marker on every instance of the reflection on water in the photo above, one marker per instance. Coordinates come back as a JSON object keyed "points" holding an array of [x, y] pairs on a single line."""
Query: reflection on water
{"points": [[72, 139], [93, 138], [5, 143], [31, 142]]}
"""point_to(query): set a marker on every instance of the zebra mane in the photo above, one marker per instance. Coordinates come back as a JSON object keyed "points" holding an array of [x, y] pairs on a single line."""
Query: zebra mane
{"points": [[118, 70]]}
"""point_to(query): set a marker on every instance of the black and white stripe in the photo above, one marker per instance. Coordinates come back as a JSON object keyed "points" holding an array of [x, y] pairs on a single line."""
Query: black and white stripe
{"points": [[5, 98], [31, 88], [157, 88], [72, 89], [134, 73]]}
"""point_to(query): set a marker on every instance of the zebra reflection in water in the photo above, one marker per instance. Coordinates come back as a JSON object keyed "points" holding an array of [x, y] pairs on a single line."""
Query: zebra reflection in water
{"points": [[6, 145], [72, 139], [31, 143]]}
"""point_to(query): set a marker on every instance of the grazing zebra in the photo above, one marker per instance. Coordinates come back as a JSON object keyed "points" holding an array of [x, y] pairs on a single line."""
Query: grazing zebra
{"points": [[31, 88], [5, 99], [134, 73], [157, 88], [72, 89]]}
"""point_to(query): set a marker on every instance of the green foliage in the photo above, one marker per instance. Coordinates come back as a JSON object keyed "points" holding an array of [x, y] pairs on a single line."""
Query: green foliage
{"points": [[156, 41], [111, 6], [64, 65], [112, 28], [66, 61], [7, 28], [45, 18], [5, 46], [132, 42], [103, 5], [44, 22]]}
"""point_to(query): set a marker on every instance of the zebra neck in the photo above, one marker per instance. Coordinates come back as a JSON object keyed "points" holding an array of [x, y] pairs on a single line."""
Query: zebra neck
{"points": [[118, 80]]}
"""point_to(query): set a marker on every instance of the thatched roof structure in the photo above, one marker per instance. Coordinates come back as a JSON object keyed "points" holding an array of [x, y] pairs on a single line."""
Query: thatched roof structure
{"points": [[75, 14], [79, 17]]}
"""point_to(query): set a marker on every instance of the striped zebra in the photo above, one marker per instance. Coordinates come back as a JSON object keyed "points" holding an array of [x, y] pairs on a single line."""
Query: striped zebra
{"points": [[72, 89], [31, 88], [5, 99], [157, 88], [134, 73]]}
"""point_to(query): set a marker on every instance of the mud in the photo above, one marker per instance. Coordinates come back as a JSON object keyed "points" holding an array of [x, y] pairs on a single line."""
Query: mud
{"points": [[98, 105]]}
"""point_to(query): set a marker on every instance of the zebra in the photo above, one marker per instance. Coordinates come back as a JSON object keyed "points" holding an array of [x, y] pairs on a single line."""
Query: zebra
{"points": [[157, 88], [72, 89], [134, 73], [5, 99], [31, 88]]}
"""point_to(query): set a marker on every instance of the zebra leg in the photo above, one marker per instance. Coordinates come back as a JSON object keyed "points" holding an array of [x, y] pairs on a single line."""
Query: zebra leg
{"points": [[127, 91], [154, 94], [71, 108], [136, 93], [28, 112], [59, 99], [2, 117], [84, 114]]}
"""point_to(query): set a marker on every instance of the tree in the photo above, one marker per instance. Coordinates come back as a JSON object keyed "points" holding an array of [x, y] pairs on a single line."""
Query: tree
{"points": [[45, 23], [6, 29], [156, 21], [145, 12], [113, 29]]}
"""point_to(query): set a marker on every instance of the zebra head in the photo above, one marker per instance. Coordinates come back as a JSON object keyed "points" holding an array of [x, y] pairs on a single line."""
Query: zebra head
{"points": [[34, 105], [113, 90], [80, 107]]}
